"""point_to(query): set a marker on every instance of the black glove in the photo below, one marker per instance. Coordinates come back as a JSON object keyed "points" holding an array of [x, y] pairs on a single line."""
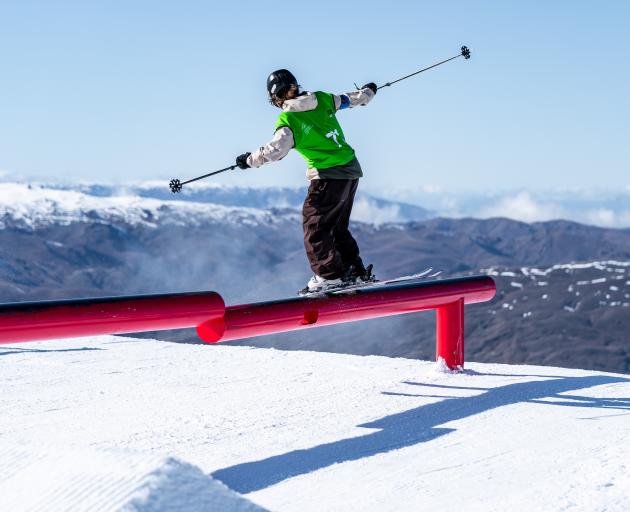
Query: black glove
{"points": [[372, 86], [241, 160]]}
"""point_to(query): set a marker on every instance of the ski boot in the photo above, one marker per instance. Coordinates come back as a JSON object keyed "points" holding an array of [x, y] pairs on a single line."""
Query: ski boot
{"points": [[358, 274], [319, 284]]}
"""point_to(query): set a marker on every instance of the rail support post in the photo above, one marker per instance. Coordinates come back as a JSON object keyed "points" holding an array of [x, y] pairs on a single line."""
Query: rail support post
{"points": [[450, 334]]}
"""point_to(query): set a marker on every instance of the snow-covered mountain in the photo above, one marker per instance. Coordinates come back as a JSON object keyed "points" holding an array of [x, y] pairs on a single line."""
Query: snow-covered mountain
{"points": [[368, 208], [151, 426], [604, 208], [35, 206]]}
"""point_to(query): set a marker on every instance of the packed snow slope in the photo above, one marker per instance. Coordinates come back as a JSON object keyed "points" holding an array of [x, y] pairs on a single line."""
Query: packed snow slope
{"points": [[56, 479], [124, 422]]}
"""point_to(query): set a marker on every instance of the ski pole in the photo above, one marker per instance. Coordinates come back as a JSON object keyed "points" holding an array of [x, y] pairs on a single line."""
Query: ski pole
{"points": [[176, 185], [465, 52]]}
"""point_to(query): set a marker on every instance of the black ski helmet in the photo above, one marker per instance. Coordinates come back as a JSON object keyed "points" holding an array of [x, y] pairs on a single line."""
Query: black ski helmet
{"points": [[279, 81]]}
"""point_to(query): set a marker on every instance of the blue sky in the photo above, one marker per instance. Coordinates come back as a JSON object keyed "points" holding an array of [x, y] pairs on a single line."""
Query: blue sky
{"points": [[135, 90]]}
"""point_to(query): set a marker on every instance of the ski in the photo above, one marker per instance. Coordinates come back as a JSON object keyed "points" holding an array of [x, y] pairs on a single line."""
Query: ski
{"points": [[374, 283]]}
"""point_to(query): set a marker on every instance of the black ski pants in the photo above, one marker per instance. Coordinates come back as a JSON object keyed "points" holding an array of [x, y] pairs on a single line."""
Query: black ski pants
{"points": [[329, 244]]}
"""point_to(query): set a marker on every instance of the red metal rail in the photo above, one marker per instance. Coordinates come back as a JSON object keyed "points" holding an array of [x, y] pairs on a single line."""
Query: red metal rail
{"points": [[30, 321], [206, 310], [447, 297]]}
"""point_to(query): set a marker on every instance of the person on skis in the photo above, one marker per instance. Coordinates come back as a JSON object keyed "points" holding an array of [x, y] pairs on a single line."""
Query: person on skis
{"points": [[308, 123]]}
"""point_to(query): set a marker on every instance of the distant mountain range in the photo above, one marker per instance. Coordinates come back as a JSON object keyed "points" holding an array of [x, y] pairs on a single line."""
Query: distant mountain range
{"points": [[368, 208], [391, 203], [604, 208], [62, 243]]}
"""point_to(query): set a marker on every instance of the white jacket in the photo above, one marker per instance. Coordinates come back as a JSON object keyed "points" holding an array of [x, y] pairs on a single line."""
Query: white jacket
{"points": [[282, 141]]}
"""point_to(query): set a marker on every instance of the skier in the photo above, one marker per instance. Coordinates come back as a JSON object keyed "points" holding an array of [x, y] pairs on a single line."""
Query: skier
{"points": [[309, 124]]}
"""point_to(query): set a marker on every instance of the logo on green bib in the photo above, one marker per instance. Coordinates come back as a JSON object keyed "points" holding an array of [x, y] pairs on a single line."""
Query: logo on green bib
{"points": [[317, 134]]}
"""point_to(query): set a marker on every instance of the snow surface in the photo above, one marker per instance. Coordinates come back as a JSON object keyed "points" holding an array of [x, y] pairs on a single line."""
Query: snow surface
{"points": [[114, 421], [72, 479]]}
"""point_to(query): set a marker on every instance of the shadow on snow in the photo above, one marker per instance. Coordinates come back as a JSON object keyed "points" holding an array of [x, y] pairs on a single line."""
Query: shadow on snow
{"points": [[411, 427]]}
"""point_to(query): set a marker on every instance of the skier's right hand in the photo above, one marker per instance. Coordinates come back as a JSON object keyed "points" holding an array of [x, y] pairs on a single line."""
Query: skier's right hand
{"points": [[241, 161]]}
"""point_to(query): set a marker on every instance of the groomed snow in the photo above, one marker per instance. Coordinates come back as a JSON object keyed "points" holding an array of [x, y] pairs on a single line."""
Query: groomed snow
{"points": [[55, 479], [309, 431]]}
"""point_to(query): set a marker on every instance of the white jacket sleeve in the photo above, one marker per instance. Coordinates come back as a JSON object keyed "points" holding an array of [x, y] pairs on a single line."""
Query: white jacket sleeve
{"points": [[354, 99], [276, 149]]}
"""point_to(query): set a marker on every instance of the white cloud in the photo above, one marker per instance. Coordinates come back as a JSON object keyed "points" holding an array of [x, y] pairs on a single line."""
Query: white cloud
{"points": [[365, 210], [432, 189], [523, 207], [426, 195], [526, 207], [607, 218], [601, 217]]}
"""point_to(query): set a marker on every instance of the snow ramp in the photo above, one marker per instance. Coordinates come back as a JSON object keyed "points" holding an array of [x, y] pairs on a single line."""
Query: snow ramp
{"points": [[36, 478]]}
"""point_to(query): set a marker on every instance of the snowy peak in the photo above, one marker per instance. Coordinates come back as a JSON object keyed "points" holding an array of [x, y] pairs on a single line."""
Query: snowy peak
{"points": [[152, 201], [34, 206]]}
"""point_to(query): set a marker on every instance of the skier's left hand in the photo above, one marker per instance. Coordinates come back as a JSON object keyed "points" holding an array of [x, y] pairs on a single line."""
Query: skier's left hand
{"points": [[241, 161], [372, 86]]}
